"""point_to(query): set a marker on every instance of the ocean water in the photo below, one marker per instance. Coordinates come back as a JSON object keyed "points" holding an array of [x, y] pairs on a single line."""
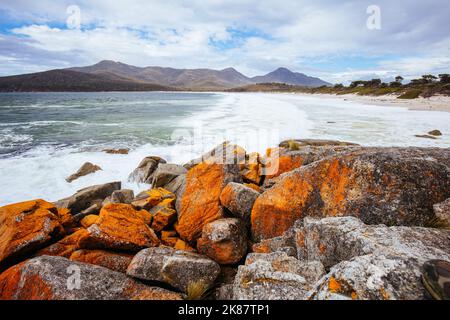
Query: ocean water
{"points": [[45, 137]]}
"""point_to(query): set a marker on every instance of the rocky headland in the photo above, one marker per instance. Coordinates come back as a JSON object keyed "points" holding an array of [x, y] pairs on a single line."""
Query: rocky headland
{"points": [[309, 219]]}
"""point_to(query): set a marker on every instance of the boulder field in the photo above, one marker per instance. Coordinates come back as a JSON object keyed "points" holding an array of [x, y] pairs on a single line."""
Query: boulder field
{"points": [[307, 220]]}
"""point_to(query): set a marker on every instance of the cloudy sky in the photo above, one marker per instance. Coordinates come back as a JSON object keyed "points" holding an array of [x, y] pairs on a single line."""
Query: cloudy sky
{"points": [[326, 38]]}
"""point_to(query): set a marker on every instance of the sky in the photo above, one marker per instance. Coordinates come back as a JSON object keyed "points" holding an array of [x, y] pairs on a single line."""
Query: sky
{"points": [[337, 41]]}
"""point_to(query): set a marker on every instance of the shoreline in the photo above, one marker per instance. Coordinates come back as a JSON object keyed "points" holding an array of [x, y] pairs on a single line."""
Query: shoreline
{"points": [[434, 103]]}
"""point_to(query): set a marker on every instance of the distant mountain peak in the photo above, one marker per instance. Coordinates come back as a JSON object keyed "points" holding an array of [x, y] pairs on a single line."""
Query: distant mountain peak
{"points": [[284, 75]]}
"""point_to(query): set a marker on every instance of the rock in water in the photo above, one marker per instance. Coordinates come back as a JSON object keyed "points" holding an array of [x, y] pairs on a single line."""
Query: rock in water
{"points": [[57, 278], [146, 168], [395, 186], [435, 133], [86, 197], [117, 151], [112, 260], [370, 262], [86, 168], [275, 276], [180, 269], [120, 227], [25, 227], [224, 240], [198, 201], [165, 173], [239, 200]]}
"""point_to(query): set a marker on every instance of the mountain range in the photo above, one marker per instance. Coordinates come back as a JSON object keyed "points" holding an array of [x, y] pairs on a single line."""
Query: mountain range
{"points": [[116, 76]]}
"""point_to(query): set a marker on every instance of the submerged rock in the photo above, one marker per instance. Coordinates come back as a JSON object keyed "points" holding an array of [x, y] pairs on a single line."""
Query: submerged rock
{"points": [[198, 201], [57, 278], [26, 227], [180, 269], [224, 240], [86, 197], [117, 151], [86, 168], [395, 186], [146, 168], [435, 133]]}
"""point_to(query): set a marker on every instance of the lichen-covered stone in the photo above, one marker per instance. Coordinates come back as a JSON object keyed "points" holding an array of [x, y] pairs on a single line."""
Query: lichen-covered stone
{"points": [[66, 246], [224, 240], [151, 198], [275, 276], [163, 215], [174, 267], [57, 278], [26, 227], [198, 202], [370, 261], [239, 200], [112, 260], [121, 227], [89, 220], [396, 186]]}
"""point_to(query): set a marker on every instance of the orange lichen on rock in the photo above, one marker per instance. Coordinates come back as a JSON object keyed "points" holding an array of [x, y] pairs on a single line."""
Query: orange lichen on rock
{"points": [[322, 248], [183, 245], [275, 211], [163, 215], [66, 246], [27, 226], [169, 238], [66, 218], [11, 279], [278, 162], [112, 260], [121, 227], [334, 186], [152, 197], [199, 203], [333, 285], [224, 241], [89, 220], [251, 171], [253, 186]]}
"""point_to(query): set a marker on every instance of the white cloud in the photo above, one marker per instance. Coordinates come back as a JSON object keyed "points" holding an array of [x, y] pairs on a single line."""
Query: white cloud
{"points": [[294, 34]]}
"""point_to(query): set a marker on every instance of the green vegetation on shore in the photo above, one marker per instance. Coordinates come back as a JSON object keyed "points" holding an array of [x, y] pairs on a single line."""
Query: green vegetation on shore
{"points": [[426, 86]]}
